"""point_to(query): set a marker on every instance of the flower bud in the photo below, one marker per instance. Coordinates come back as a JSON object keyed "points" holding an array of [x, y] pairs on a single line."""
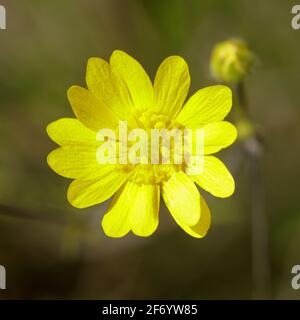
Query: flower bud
{"points": [[231, 61]]}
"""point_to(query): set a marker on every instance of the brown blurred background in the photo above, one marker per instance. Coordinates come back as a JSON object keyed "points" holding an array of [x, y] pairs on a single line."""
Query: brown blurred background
{"points": [[51, 250]]}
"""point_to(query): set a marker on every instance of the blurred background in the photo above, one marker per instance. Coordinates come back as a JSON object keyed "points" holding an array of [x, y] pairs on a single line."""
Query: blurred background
{"points": [[51, 250]]}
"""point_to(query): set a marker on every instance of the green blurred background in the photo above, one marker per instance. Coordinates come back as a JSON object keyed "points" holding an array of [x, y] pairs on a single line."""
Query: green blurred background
{"points": [[51, 250]]}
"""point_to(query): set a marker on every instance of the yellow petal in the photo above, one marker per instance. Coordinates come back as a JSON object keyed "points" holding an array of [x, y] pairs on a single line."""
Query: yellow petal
{"points": [[215, 178], [201, 228], [86, 193], [89, 110], [182, 198], [171, 85], [218, 135], [70, 131], [207, 105], [108, 87], [145, 209], [135, 207], [136, 79], [76, 162]]}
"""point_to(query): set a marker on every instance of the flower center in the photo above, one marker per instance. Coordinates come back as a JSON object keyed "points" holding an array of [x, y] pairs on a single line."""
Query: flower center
{"points": [[164, 155], [152, 174], [152, 120]]}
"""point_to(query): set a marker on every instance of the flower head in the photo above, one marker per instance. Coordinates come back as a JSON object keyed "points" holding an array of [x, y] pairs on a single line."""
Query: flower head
{"points": [[231, 60], [122, 91]]}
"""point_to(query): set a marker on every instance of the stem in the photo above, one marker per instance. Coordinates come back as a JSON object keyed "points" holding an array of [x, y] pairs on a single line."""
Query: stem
{"points": [[243, 101], [261, 275]]}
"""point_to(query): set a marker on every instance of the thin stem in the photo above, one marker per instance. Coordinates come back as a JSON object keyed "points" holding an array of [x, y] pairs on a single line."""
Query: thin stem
{"points": [[241, 94], [254, 150]]}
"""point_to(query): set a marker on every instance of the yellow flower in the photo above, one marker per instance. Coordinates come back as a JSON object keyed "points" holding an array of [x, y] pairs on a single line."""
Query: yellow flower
{"points": [[121, 90]]}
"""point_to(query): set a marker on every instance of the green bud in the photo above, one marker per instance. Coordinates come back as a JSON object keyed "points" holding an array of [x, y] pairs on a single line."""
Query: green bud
{"points": [[231, 61]]}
